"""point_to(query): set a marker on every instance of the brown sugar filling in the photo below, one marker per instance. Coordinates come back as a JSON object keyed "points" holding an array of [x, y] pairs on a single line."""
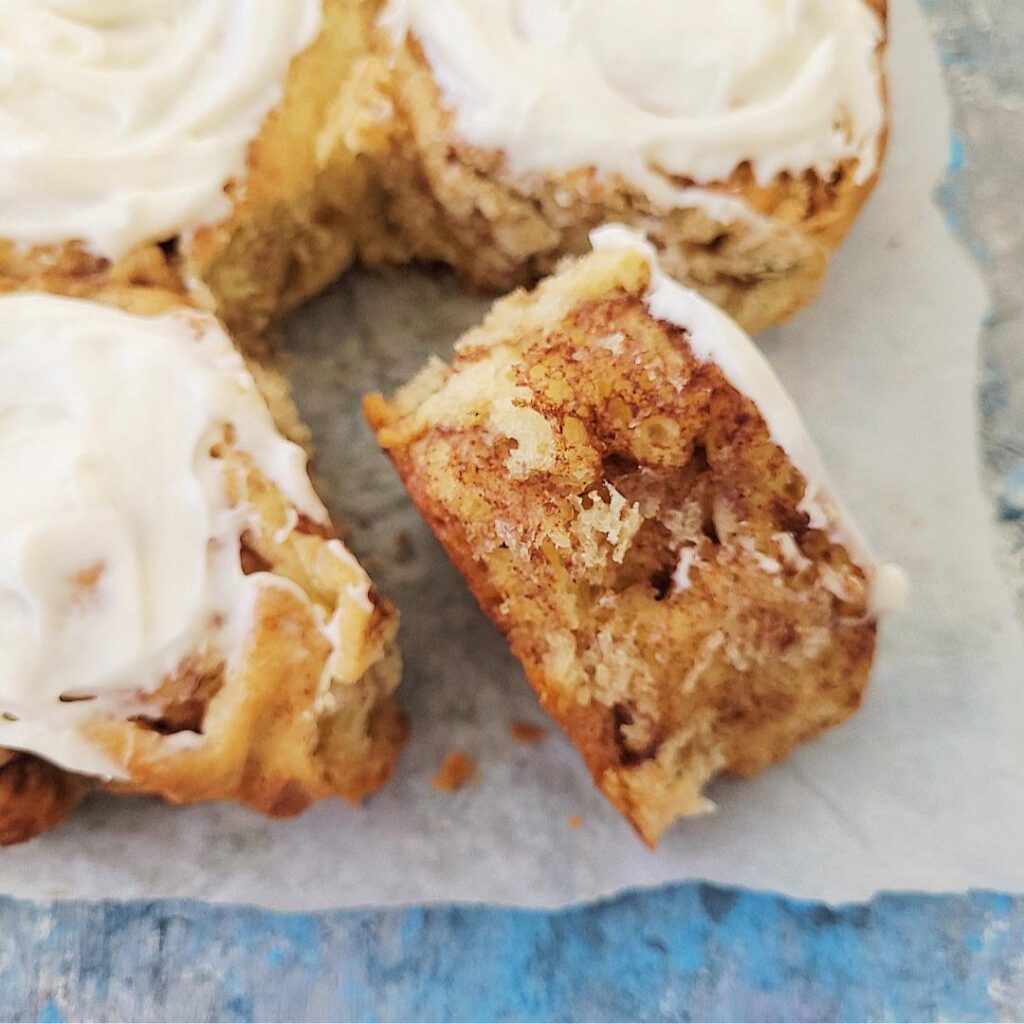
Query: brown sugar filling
{"points": [[184, 700]]}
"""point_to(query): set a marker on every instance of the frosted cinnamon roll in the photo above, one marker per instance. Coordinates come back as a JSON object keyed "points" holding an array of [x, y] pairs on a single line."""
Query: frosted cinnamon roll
{"points": [[177, 616], [742, 137], [194, 124]]}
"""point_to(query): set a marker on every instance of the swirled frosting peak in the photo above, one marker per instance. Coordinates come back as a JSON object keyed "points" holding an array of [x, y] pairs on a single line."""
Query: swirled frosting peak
{"points": [[664, 88], [121, 121], [119, 542]]}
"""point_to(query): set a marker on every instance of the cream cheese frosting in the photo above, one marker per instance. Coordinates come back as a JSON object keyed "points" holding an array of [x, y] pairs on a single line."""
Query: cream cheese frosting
{"points": [[713, 335], [119, 549], [121, 121], [665, 89]]}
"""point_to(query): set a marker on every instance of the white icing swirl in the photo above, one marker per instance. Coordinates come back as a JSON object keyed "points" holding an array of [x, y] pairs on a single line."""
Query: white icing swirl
{"points": [[121, 121], [119, 553], [714, 336], [684, 88]]}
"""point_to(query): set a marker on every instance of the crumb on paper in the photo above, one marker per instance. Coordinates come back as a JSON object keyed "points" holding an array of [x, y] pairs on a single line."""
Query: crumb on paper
{"points": [[575, 821], [404, 550], [457, 770], [526, 732]]}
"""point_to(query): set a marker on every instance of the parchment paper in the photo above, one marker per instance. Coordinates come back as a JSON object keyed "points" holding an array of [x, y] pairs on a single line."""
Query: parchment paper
{"points": [[924, 790]]}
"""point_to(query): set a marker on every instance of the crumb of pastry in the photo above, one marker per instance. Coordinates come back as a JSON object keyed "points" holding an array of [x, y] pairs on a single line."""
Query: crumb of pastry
{"points": [[527, 732], [405, 551], [34, 796], [575, 822], [457, 770], [621, 511]]}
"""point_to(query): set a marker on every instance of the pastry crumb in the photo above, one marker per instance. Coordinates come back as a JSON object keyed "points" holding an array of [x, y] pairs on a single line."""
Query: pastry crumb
{"points": [[527, 732], [575, 821], [404, 550], [457, 770]]}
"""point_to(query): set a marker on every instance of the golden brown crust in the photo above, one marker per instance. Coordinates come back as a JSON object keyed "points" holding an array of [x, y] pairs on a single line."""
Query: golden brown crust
{"points": [[266, 733], [456, 771], [574, 456], [257, 734]]}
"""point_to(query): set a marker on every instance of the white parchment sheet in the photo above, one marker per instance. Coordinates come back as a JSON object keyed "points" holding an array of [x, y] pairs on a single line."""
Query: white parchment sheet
{"points": [[924, 790]]}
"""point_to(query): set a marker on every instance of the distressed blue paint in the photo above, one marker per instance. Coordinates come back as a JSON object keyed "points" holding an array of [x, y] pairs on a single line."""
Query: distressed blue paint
{"points": [[50, 1014], [1011, 493], [957, 154], [948, 195], [950, 198], [683, 952]]}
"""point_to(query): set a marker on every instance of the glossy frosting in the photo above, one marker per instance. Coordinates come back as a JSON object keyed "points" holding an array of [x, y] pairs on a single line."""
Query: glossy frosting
{"points": [[714, 336], [686, 88], [122, 120], [119, 553]]}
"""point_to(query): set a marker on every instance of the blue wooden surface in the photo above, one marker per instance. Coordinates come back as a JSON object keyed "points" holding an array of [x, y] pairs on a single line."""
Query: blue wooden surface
{"points": [[689, 952]]}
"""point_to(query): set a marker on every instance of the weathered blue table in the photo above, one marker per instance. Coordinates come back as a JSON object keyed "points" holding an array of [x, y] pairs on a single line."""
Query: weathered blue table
{"points": [[680, 953], [688, 952]]}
